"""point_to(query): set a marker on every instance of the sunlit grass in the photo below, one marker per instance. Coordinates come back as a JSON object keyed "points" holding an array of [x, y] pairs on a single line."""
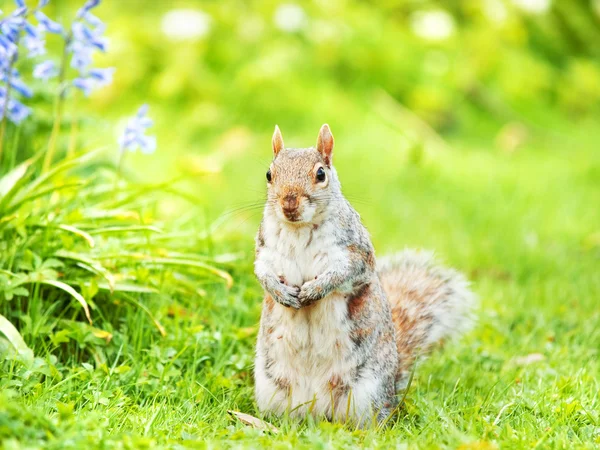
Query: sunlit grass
{"points": [[521, 226]]}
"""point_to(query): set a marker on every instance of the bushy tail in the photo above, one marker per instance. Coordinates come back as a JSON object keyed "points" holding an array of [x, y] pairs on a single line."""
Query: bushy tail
{"points": [[430, 304]]}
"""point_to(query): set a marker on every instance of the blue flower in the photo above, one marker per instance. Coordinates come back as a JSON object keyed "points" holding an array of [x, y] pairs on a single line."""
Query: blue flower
{"points": [[82, 57], [103, 77], [88, 37], [95, 79], [47, 24], [16, 83], [45, 70], [134, 138], [7, 50], [94, 22], [34, 41], [86, 85], [16, 111], [11, 26], [87, 6]]}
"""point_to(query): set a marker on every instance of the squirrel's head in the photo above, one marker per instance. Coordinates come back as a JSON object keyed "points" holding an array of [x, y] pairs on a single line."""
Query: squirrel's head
{"points": [[301, 181]]}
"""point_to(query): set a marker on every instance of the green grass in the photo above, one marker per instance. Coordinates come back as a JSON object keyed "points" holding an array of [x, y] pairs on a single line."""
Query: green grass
{"points": [[525, 227]]}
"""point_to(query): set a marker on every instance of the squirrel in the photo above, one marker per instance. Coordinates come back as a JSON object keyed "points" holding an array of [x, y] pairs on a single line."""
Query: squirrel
{"points": [[339, 332]]}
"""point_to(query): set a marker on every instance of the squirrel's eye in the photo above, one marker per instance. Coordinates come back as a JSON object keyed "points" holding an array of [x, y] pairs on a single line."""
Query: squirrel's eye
{"points": [[321, 174], [269, 175]]}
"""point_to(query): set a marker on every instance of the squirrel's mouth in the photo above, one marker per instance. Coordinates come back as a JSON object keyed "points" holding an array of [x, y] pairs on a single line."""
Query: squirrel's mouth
{"points": [[292, 217]]}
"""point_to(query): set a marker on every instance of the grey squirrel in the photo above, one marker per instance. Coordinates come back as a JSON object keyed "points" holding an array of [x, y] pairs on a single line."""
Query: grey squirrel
{"points": [[340, 331]]}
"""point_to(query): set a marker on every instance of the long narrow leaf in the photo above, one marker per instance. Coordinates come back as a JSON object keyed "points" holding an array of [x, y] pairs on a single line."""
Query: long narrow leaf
{"points": [[71, 229], [41, 193], [90, 264], [122, 287], [78, 232], [133, 228], [13, 336], [143, 307], [191, 263], [103, 273], [69, 290], [10, 183], [62, 167]]}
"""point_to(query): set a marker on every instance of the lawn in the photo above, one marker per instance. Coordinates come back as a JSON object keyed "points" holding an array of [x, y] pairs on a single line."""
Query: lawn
{"points": [[169, 351]]}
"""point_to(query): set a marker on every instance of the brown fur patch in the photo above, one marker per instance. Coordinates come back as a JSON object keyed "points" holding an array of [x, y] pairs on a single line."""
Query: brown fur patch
{"points": [[371, 259], [407, 337], [269, 303], [361, 333], [338, 388], [282, 383], [260, 238], [358, 301], [335, 381]]}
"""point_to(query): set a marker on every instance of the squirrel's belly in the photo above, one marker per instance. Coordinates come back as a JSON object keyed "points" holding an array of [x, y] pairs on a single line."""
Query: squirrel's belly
{"points": [[310, 358]]}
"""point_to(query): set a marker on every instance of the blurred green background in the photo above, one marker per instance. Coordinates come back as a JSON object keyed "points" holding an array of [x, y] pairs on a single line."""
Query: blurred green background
{"points": [[400, 83]]}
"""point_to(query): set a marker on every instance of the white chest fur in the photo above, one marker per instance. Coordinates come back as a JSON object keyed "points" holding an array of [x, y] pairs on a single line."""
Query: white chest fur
{"points": [[299, 254], [310, 349]]}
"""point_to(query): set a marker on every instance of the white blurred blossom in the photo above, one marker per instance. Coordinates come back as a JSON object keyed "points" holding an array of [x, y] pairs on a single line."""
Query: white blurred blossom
{"points": [[495, 10], [290, 18], [435, 25], [533, 6], [185, 24]]}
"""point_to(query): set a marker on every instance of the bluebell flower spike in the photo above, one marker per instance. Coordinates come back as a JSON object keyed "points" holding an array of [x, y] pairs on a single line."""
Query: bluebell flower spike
{"points": [[134, 138], [45, 70]]}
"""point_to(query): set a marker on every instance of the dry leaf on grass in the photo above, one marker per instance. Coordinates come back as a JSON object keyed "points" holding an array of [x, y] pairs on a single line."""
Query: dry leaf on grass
{"points": [[254, 422]]}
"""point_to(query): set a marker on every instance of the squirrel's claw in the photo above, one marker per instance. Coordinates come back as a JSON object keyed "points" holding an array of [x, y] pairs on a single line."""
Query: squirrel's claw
{"points": [[288, 296], [310, 292]]}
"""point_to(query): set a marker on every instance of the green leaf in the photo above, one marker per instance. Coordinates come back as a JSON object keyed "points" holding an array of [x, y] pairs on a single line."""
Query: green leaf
{"points": [[10, 180], [191, 263], [65, 165], [9, 183], [69, 290], [125, 229], [89, 264], [42, 192], [123, 287], [13, 336], [147, 311], [78, 232], [21, 291], [71, 229]]}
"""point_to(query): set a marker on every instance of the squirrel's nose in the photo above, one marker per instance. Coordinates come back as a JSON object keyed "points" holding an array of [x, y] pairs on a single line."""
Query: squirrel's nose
{"points": [[289, 204]]}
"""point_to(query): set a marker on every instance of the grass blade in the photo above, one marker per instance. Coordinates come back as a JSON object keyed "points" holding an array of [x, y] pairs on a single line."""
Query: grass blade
{"points": [[13, 336], [69, 290], [143, 307], [41, 193], [191, 263], [122, 287], [133, 228], [61, 167], [9, 183], [78, 232]]}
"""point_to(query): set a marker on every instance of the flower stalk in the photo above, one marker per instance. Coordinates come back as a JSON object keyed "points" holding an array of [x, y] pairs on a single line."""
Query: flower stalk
{"points": [[58, 107]]}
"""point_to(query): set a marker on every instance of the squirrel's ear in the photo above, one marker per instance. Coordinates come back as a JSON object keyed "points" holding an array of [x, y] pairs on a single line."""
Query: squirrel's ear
{"points": [[325, 144], [277, 141]]}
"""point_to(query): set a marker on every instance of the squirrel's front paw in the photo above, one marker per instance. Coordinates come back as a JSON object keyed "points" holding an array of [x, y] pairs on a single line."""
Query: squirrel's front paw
{"points": [[287, 296], [310, 292]]}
